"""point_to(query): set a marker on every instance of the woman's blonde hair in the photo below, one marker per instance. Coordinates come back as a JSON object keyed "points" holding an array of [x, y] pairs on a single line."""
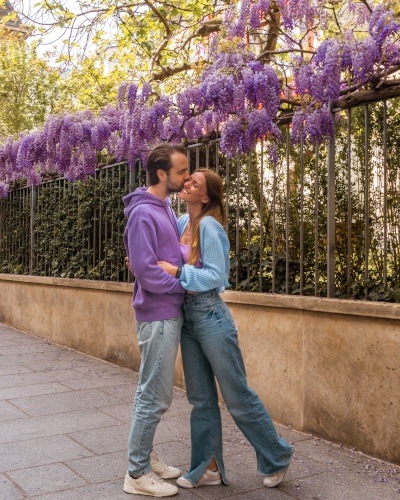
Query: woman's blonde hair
{"points": [[214, 208]]}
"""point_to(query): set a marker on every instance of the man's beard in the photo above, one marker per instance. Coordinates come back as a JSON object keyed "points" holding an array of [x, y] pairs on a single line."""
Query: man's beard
{"points": [[173, 188]]}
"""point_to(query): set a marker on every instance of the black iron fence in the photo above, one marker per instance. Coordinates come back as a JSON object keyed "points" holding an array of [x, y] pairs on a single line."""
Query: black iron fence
{"points": [[324, 221]]}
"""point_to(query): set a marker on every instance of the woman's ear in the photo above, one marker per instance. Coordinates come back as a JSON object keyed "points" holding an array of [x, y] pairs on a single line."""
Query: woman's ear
{"points": [[205, 200]]}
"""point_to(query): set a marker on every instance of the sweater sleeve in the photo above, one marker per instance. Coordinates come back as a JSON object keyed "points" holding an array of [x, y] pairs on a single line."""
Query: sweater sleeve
{"points": [[212, 275], [142, 253]]}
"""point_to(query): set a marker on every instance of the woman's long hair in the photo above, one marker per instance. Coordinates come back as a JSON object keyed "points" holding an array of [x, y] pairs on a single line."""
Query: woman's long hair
{"points": [[214, 207]]}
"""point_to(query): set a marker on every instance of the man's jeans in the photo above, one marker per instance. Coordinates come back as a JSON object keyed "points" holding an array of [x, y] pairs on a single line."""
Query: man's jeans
{"points": [[210, 348], [158, 344]]}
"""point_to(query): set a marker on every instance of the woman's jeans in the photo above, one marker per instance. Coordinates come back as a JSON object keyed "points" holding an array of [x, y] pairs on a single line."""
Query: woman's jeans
{"points": [[158, 344], [210, 347]]}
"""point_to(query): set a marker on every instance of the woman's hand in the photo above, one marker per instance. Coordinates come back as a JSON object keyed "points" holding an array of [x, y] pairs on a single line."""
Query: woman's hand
{"points": [[168, 267], [128, 264]]}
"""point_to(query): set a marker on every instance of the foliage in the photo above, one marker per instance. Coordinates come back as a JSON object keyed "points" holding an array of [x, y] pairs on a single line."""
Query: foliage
{"points": [[28, 87], [78, 229]]}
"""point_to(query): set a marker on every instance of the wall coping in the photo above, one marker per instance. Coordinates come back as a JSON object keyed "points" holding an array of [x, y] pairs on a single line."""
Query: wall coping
{"points": [[316, 304]]}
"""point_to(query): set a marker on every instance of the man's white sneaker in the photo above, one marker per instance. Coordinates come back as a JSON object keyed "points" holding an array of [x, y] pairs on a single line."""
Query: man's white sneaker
{"points": [[149, 484], [274, 479], [209, 479], [161, 469]]}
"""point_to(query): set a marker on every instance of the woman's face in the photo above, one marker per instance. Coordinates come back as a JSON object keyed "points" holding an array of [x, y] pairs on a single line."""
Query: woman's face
{"points": [[195, 189]]}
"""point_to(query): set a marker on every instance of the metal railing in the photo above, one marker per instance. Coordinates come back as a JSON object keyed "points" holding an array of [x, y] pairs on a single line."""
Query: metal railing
{"points": [[323, 221]]}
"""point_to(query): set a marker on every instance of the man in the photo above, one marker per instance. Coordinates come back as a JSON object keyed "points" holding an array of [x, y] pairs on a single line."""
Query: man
{"points": [[151, 235]]}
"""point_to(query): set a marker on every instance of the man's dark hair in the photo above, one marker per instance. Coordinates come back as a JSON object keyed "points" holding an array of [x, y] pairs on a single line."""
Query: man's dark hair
{"points": [[160, 159]]}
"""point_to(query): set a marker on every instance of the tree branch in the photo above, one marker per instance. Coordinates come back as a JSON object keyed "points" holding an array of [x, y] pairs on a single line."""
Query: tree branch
{"points": [[205, 29], [367, 5], [367, 96], [167, 72], [272, 52], [155, 57]]}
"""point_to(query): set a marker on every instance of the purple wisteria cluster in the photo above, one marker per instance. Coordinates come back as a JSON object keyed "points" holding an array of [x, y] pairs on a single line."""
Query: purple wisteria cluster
{"points": [[236, 95], [319, 82]]}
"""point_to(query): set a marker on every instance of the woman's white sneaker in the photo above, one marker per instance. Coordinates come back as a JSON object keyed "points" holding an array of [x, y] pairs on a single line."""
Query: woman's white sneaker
{"points": [[161, 469], [274, 479], [149, 484], [209, 478]]}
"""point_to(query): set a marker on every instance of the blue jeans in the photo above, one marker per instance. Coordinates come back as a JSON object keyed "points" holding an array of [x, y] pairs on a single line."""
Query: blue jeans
{"points": [[158, 344], [210, 347]]}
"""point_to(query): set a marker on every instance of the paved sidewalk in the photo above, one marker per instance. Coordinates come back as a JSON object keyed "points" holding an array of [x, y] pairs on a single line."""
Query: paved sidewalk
{"points": [[64, 424]]}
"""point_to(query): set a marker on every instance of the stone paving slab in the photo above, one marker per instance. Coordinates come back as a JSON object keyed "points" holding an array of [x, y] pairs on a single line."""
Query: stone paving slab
{"points": [[65, 420]]}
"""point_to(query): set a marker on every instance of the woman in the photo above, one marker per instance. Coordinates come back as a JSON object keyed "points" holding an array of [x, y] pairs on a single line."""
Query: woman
{"points": [[210, 347]]}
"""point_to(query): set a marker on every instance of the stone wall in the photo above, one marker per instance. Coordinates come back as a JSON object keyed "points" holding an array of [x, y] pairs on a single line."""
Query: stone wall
{"points": [[324, 366]]}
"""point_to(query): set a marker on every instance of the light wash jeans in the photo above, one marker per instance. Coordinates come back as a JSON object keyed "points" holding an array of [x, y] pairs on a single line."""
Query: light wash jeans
{"points": [[158, 344], [210, 347]]}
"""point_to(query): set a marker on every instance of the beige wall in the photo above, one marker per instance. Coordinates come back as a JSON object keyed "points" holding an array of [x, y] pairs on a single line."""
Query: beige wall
{"points": [[324, 366]]}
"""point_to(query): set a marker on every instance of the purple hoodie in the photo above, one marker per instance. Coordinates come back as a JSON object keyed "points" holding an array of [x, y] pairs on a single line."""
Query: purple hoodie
{"points": [[152, 234]]}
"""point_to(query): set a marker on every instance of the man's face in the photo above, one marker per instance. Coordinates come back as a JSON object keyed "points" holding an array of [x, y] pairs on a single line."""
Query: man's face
{"points": [[178, 174]]}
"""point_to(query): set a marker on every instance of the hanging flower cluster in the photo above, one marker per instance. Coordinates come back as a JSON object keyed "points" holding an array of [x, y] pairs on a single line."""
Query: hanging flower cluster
{"points": [[319, 82], [236, 94], [235, 91]]}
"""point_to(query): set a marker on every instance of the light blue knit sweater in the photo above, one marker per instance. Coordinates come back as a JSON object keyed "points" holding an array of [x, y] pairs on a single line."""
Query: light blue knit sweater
{"points": [[214, 246]]}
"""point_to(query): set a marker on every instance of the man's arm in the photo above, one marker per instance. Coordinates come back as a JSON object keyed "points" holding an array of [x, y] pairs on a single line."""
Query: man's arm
{"points": [[142, 253]]}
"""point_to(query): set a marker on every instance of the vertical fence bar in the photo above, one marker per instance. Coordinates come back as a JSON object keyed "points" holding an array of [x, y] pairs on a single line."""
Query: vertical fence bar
{"points": [[119, 210], [217, 157], [349, 215], [287, 206], [366, 198], [197, 157], [126, 271], [385, 194], [227, 195], [32, 229], [105, 225], [261, 211], [274, 230], [331, 216], [94, 223], [100, 216], [301, 214], [316, 221], [249, 221], [237, 217], [2, 203], [207, 156]]}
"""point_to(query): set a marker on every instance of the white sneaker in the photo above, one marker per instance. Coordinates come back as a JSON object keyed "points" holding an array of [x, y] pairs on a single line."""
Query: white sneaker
{"points": [[209, 478], [274, 479], [149, 484], [161, 469]]}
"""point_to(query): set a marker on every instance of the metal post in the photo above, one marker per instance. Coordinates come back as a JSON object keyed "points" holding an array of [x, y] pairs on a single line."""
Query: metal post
{"points": [[261, 210], [216, 157], [237, 218], [366, 198], [385, 194], [301, 215], [207, 155], [287, 205], [197, 157], [227, 195], [249, 220], [349, 215], [274, 232], [331, 215], [32, 228], [316, 221]]}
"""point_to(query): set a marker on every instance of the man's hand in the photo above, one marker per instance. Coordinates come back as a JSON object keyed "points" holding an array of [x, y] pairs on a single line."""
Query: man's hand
{"points": [[168, 267], [127, 264]]}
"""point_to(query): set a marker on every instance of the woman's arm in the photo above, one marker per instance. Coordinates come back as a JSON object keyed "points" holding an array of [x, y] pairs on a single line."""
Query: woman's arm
{"points": [[214, 249]]}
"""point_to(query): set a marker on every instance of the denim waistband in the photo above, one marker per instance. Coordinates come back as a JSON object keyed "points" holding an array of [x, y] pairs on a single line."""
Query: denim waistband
{"points": [[200, 295]]}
